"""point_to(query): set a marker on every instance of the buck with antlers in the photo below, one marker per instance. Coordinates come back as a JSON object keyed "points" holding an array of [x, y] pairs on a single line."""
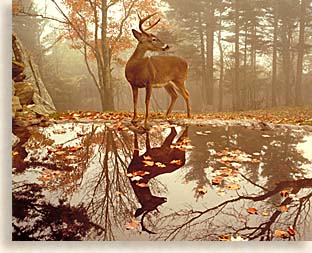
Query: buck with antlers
{"points": [[156, 71]]}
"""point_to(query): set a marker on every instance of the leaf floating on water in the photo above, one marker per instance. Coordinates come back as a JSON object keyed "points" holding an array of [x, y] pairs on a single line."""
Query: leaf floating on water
{"points": [[283, 208], [281, 234], [142, 185], [291, 231], [138, 173], [132, 225], [266, 136], [136, 178], [252, 210], [15, 153], [148, 163], [233, 186], [160, 165], [224, 238], [284, 193], [265, 213], [217, 180], [202, 191], [177, 162]]}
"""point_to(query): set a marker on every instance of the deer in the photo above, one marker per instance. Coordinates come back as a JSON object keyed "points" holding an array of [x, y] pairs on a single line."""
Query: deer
{"points": [[156, 161], [166, 71]]}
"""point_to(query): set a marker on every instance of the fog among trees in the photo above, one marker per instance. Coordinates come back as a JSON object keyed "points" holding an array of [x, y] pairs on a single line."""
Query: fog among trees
{"points": [[242, 54]]}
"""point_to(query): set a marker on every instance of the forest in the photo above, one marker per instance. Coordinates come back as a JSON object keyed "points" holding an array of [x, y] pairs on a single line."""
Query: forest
{"points": [[228, 160], [242, 55]]}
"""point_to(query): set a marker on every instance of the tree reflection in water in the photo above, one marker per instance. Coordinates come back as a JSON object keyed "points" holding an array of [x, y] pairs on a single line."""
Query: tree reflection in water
{"points": [[120, 175]]}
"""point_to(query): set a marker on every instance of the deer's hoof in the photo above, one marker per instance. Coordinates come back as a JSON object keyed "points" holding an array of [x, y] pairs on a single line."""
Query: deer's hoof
{"points": [[134, 121], [147, 126]]}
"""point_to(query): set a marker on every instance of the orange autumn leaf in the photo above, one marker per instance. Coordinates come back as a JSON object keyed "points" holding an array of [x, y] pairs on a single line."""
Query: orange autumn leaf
{"points": [[225, 238], [281, 234], [177, 162], [233, 186], [142, 185], [284, 193], [217, 180], [160, 165], [202, 191], [60, 152], [138, 173], [148, 163], [291, 231], [75, 148], [132, 225], [252, 210], [283, 208]]}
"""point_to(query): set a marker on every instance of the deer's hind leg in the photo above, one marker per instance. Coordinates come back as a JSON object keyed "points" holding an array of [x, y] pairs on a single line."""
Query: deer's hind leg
{"points": [[185, 94], [174, 95]]}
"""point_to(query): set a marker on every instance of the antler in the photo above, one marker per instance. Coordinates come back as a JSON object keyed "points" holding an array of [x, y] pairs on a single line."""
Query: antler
{"points": [[145, 19]]}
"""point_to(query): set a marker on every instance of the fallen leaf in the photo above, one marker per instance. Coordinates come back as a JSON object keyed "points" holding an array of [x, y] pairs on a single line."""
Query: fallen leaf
{"points": [[265, 213], [51, 150], [284, 193], [148, 163], [60, 152], [132, 225], [281, 234], [136, 178], [283, 208], [177, 162], [226, 238], [233, 186], [142, 185], [202, 191], [291, 231], [75, 148], [160, 165], [138, 173], [252, 210], [217, 180], [15, 153], [266, 136]]}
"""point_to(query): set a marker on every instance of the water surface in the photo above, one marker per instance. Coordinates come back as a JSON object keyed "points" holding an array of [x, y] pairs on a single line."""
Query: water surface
{"points": [[105, 181]]}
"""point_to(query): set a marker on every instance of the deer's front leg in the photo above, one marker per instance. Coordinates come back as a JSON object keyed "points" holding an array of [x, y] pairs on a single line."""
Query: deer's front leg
{"points": [[135, 93], [147, 100]]}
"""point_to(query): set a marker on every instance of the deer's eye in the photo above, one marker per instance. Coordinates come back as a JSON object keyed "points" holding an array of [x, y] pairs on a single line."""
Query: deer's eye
{"points": [[154, 39]]}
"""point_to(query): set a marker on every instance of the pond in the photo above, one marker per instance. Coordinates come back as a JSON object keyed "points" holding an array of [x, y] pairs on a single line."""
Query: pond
{"points": [[198, 182]]}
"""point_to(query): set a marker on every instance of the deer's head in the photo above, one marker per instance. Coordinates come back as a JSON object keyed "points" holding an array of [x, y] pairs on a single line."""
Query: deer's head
{"points": [[148, 40]]}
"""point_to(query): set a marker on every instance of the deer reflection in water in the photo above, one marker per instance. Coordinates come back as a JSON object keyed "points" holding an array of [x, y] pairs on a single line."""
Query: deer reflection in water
{"points": [[155, 161]]}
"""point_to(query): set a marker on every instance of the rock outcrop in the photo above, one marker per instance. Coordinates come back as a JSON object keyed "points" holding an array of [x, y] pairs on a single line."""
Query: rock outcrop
{"points": [[30, 98]]}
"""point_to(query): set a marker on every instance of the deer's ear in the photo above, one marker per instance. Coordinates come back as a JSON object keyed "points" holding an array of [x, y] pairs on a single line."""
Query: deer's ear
{"points": [[137, 34]]}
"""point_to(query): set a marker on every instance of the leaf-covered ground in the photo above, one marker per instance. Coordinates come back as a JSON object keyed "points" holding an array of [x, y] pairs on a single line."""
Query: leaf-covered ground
{"points": [[280, 115]]}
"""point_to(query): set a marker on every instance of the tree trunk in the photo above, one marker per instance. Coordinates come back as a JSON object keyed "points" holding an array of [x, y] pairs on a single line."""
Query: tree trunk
{"points": [[202, 54], [274, 62], [209, 44], [286, 60], [220, 104], [236, 85], [298, 92]]}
